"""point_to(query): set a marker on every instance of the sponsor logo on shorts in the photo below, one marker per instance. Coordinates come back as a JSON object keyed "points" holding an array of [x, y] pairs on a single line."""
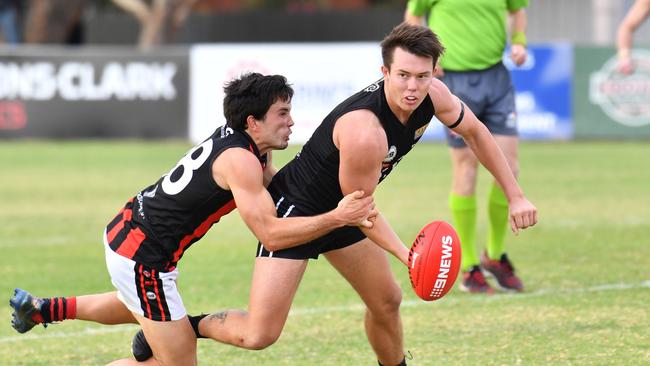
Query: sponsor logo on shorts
{"points": [[511, 121]]}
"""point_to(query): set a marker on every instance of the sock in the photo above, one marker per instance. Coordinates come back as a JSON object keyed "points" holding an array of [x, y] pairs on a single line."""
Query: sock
{"points": [[463, 210], [56, 309], [498, 215], [403, 363], [194, 321]]}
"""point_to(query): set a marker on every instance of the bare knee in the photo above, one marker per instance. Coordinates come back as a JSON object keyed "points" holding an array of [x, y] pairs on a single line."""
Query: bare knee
{"points": [[389, 303]]}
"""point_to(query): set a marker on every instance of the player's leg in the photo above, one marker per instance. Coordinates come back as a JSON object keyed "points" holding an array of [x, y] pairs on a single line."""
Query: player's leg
{"points": [[495, 261], [501, 120], [462, 197], [131, 362], [462, 204], [497, 202], [103, 308], [366, 267], [275, 282], [172, 343], [30, 310]]}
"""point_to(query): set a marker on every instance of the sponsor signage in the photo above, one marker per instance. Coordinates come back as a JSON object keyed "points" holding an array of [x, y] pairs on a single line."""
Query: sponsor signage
{"points": [[624, 98], [609, 104], [325, 74], [542, 94], [93, 92], [322, 75]]}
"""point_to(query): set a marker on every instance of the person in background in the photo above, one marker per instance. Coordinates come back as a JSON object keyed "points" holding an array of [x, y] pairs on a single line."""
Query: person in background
{"points": [[10, 11], [474, 34], [635, 16]]}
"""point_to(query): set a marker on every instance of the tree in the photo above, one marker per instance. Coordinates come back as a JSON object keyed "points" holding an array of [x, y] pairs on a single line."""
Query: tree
{"points": [[52, 21], [159, 19]]}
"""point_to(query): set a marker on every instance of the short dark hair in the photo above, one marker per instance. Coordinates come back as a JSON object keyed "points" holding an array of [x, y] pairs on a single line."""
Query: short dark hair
{"points": [[252, 94], [416, 39]]}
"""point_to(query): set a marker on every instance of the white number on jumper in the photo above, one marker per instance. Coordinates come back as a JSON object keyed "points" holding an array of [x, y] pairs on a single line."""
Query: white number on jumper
{"points": [[189, 165]]}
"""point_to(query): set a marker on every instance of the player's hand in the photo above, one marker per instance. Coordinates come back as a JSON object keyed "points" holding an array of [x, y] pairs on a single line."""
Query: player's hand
{"points": [[518, 54], [356, 210], [625, 66], [522, 214]]}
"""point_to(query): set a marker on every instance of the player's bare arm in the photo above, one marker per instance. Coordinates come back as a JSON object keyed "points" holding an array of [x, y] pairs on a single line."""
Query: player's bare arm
{"points": [[448, 110], [239, 171], [362, 147]]}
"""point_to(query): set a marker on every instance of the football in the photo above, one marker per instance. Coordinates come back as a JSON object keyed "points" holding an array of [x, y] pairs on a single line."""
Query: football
{"points": [[434, 260]]}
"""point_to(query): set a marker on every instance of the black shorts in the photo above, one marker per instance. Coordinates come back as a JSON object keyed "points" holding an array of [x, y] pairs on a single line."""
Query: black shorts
{"points": [[337, 239], [490, 94]]}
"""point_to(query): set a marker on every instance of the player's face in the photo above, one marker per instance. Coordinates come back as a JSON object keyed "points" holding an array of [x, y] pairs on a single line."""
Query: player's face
{"points": [[276, 125], [408, 80]]}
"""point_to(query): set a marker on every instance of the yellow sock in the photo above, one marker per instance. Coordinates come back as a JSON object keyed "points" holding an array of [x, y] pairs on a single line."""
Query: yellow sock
{"points": [[498, 216], [463, 210]]}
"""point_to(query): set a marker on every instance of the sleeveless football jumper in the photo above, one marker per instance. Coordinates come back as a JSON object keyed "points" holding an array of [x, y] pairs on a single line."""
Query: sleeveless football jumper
{"points": [[309, 184], [162, 221]]}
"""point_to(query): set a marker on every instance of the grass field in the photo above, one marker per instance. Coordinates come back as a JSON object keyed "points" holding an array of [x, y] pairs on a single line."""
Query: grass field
{"points": [[586, 265]]}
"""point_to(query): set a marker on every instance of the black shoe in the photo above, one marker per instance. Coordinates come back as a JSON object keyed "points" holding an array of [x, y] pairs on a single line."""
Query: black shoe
{"points": [[24, 305], [140, 347]]}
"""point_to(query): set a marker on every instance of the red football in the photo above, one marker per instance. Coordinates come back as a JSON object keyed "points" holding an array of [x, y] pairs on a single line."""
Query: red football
{"points": [[434, 260]]}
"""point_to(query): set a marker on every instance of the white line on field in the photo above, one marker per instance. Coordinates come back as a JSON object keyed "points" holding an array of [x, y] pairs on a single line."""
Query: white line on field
{"points": [[130, 328], [483, 298]]}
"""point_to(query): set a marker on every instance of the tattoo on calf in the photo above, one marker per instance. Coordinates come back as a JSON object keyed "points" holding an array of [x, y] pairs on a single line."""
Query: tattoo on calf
{"points": [[221, 316]]}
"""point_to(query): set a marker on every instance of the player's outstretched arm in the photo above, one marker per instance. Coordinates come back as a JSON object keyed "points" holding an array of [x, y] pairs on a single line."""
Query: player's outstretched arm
{"points": [[362, 147], [523, 214], [239, 171]]}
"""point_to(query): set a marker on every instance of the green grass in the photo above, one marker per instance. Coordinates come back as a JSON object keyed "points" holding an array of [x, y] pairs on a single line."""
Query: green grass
{"points": [[585, 265]]}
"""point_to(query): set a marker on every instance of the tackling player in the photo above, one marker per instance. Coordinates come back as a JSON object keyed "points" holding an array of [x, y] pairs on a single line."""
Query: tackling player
{"points": [[148, 237]]}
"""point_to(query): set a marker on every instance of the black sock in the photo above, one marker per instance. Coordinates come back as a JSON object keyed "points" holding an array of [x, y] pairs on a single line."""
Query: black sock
{"points": [[403, 363], [194, 321]]}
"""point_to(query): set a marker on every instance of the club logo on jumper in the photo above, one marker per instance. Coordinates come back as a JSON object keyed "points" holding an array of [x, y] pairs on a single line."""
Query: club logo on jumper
{"points": [[419, 132], [392, 151], [87, 81], [624, 98], [445, 267], [372, 87], [226, 131], [151, 295]]}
